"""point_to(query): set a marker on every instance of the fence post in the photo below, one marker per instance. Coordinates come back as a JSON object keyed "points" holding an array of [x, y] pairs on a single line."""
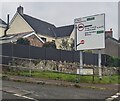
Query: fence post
{"points": [[60, 55], [73, 56], [93, 74], [30, 71], [45, 59], [110, 74]]}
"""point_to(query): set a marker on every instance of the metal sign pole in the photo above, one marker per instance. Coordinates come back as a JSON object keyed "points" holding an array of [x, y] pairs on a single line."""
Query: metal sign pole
{"points": [[75, 47], [81, 63], [75, 36], [99, 64]]}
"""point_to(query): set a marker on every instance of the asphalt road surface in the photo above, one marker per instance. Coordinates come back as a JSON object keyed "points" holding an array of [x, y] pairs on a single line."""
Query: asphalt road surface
{"points": [[34, 92], [6, 95]]}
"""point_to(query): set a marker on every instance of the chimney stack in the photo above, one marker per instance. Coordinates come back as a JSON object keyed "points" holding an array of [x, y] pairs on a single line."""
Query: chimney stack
{"points": [[109, 33], [111, 29], [20, 10]]}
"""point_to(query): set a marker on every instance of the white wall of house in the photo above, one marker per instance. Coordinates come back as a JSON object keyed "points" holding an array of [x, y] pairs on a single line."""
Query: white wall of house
{"points": [[18, 25], [2, 31], [72, 34]]}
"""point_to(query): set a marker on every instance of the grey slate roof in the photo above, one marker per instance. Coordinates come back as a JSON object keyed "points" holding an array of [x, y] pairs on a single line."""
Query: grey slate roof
{"points": [[2, 23], [40, 26], [64, 31], [45, 28], [15, 37], [108, 37], [12, 37]]}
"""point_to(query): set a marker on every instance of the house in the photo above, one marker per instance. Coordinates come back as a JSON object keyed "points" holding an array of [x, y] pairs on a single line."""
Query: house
{"points": [[112, 45], [33, 38], [3, 26], [109, 33], [22, 23]]}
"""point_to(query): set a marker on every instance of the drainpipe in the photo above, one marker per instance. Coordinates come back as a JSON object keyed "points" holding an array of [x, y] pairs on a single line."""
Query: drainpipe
{"points": [[5, 32]]}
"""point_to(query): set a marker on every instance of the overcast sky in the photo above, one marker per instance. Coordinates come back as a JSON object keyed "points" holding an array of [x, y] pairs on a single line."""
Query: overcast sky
{"points": [[64, 13]]}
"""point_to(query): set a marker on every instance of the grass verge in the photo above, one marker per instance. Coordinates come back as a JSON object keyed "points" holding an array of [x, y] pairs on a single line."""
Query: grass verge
{"points": [[114, 79]]}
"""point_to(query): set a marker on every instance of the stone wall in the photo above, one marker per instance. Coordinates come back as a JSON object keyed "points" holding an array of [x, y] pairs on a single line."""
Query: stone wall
{"points": [[58, 66]]}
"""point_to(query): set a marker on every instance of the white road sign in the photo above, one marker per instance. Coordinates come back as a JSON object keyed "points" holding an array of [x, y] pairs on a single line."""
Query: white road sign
{"points": [[91, 32]]}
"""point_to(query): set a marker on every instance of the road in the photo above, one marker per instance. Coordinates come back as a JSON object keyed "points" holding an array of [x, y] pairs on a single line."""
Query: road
{"points": [[6, 95], [20, 90]]}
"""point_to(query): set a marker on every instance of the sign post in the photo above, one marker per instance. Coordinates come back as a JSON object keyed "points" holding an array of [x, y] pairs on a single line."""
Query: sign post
{"points": [[90, 34], [75, 44], [99, 64], [81, 63], [75, 35]]}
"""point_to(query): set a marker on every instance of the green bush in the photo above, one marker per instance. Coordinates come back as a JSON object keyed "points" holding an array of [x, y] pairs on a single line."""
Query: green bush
{"points": [[23, 41], [112, 61], [50, 44]]}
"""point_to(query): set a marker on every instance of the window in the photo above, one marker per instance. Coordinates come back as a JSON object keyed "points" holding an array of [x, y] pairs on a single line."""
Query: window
{"points": [[44, 39]]}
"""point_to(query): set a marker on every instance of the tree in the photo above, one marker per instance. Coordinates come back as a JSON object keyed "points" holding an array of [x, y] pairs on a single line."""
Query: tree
{"points": [[71, 44], [50, 44], [64, 44], [23, 41], [67, 44]]}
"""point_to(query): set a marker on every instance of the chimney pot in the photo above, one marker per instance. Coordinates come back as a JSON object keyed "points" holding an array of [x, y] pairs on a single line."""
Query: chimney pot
{"points": [[110, 29]]}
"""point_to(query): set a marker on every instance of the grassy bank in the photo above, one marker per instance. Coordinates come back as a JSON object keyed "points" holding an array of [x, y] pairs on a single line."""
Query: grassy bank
{"points": [[69, 77]]}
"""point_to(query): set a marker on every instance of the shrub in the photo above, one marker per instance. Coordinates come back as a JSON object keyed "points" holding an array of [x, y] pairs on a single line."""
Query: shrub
{"points": [[112, 61], [50, 44], [23, 41]]}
